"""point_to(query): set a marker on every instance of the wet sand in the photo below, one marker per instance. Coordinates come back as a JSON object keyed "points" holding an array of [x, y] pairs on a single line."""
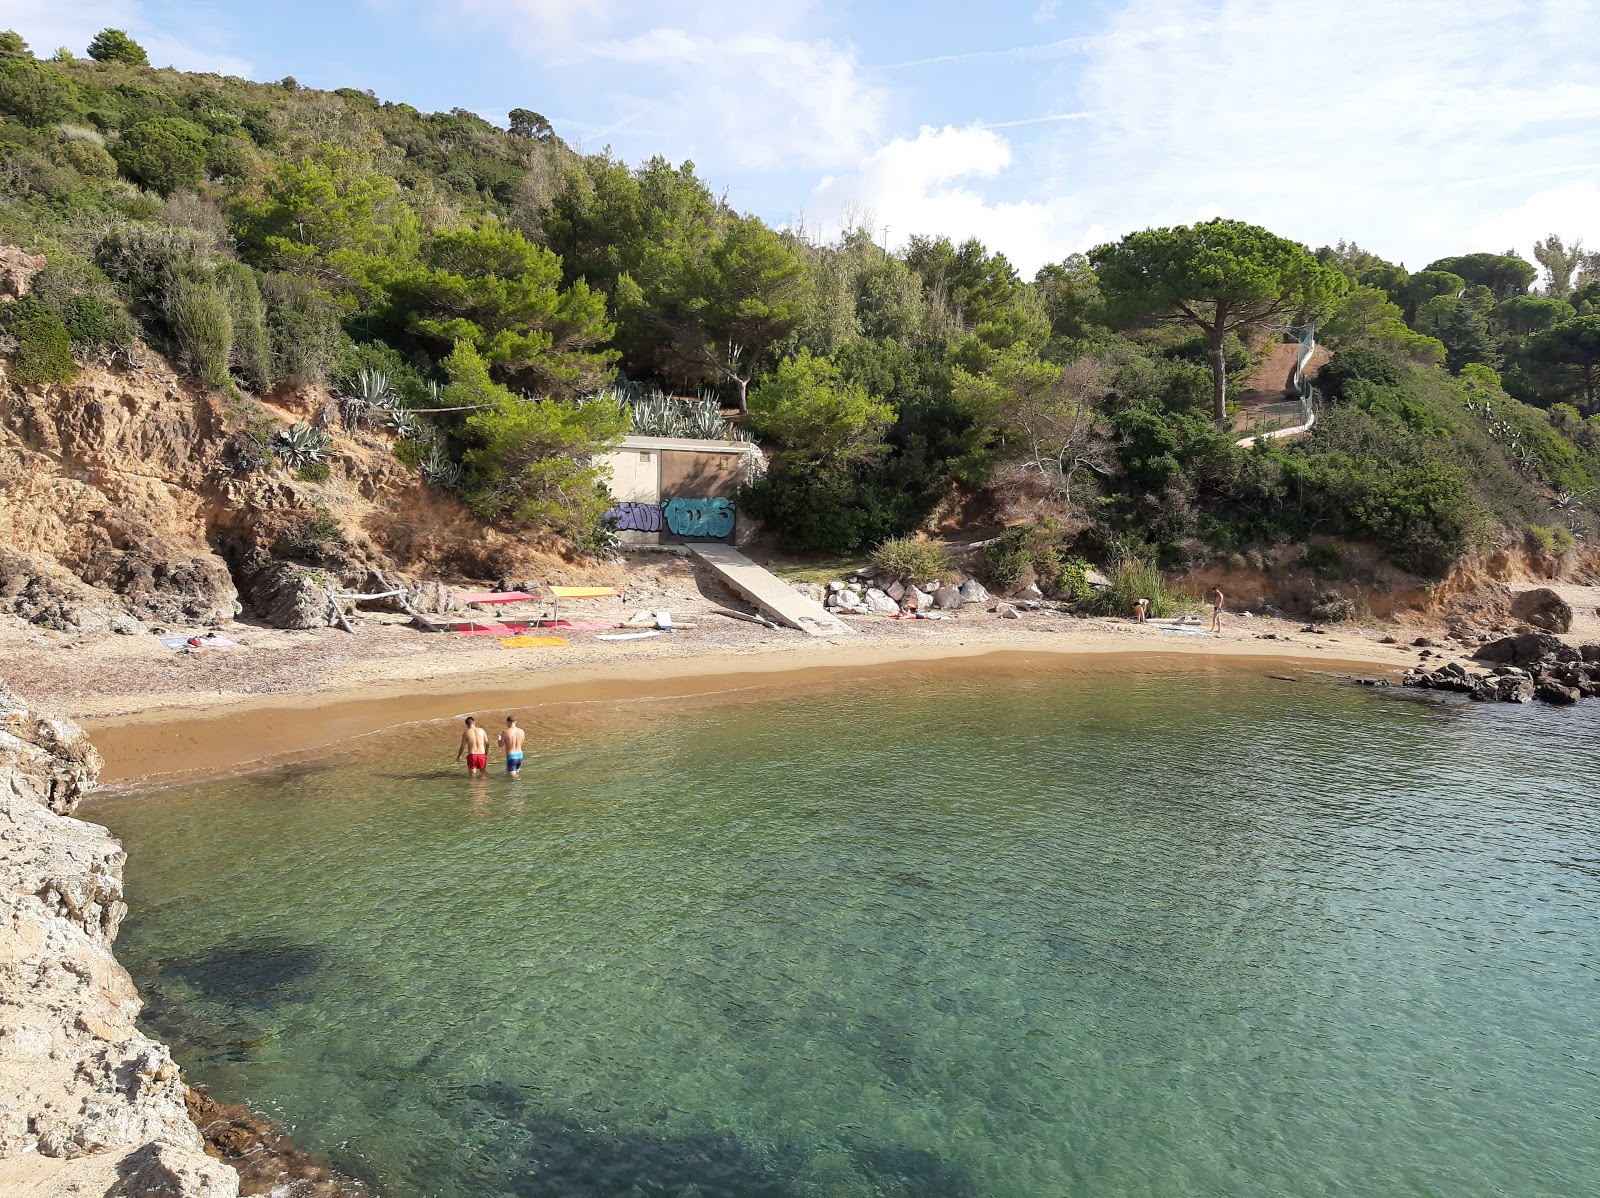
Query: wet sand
{"points": [[162, 742]]}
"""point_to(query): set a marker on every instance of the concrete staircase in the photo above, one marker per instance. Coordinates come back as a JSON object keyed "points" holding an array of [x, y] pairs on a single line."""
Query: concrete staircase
{"points": [[774, 597]]}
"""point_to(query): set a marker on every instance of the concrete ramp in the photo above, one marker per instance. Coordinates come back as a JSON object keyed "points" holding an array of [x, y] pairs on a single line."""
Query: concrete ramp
{"points": [[776, 598]]}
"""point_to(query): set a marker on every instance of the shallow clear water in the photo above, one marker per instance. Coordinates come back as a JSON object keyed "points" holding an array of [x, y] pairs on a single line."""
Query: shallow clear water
{"points": [[1015, 933]]}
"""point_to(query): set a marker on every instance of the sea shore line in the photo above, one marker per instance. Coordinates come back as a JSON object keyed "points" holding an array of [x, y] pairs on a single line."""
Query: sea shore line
{"points": [[163, 738]]}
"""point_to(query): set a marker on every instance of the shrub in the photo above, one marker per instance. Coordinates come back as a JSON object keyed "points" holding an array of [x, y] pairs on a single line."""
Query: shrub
{"points": [[314, 472], [1072, 582], [314, 532], [250, 355], [87, 304], [163, 154], [1325, 560], [910, 560], [411, 453], [1549, 542], [88, 159], [197, 313], [1332, 608], [44, 348], [1357, 362], [303, 328], [1029, 546], [1131, 579]]}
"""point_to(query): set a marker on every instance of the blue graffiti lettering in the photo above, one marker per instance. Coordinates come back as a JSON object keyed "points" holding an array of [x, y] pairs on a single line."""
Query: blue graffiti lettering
{"points": [[634, 517], [699, 517]]}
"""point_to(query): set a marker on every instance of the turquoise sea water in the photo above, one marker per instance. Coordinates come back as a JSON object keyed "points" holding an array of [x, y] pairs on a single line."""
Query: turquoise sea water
{"points": [[1015, 933]]}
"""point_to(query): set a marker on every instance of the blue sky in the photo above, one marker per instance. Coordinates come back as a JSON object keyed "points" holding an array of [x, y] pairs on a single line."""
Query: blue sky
{"points": [[1415, 127]]}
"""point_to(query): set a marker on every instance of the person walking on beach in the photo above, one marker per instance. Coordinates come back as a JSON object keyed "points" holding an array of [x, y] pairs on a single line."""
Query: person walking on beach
{"points": [[511, 741], [1216, 610], [475, 744]]}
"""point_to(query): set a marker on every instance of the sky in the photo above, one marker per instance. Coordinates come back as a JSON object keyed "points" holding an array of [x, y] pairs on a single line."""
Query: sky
{"points": [[1416, 128]]}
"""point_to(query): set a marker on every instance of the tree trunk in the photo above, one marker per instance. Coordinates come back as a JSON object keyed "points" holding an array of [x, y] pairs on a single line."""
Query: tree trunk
{"points": [[1219, 378]]}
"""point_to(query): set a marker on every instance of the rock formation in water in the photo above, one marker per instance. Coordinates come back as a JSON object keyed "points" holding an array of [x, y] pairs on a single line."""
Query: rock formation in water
{"points": [[88, 1104]]}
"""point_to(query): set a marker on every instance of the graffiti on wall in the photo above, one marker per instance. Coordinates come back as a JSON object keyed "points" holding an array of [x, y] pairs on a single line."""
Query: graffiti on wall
{"points": [[634, 517], [699, 517], [684, 517]]}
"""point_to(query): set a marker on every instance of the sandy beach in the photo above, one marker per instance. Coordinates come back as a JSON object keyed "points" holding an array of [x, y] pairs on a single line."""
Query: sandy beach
{"points": [[157, 715]]}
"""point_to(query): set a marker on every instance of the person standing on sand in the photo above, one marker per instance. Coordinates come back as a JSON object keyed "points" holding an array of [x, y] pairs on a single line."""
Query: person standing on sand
{"points": [[511, 740], [1216, 610], [475, 744]]}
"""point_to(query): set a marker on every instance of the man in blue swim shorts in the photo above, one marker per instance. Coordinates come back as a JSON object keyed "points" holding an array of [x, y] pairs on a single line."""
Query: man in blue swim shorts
{"points": [[511, 741]]}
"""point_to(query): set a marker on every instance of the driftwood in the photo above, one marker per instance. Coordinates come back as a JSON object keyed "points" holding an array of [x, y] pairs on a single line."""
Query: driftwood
{"points": [[739, 615]]}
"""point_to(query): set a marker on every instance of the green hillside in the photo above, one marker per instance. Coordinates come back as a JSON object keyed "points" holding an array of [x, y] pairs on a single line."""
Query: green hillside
{"points": [[268, 234]]}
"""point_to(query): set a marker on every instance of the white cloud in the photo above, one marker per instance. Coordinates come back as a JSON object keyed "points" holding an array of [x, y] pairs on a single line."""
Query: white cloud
{"points": [[48, 24], [926, 185], [757, 99], [1396, 124], [1418, 129], [732, 85]]}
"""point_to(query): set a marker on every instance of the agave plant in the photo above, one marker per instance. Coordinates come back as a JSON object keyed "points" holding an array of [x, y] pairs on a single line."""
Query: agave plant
{"points": [[300, 445], [440, 470], [655, 414], [370, 392]]}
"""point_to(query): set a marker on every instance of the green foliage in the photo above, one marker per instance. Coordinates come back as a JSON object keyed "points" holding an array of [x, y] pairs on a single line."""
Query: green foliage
{"points": [[818, 417], [114, 45], [1357, 362], [1132, 579], [910, 560], [489, 287], [300, 445], [532, 462], [1218, 276], [314, 533], [44, 346], [197, 312], [12, 45], [314, 472], [1028, 548], [163, 154], [33, 92], [1505, 275], [87, 304], [411, 453], [1326, 560], [1570, 355], [1549, 542], [304, 331]]}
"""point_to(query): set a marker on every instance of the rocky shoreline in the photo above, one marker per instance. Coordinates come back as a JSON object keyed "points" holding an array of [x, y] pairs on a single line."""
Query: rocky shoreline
{"points": [[89, 1104]]}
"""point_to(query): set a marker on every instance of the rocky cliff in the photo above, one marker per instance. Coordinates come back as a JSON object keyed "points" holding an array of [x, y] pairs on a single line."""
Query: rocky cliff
{"points": [[133, 498], [88, 1104]]}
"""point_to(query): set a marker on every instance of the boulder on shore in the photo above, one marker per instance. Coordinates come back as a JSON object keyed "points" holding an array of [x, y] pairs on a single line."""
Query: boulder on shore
{"points": [[972, 591], [286, 596], [947, 598], [1542, 608], [1523, 649]]}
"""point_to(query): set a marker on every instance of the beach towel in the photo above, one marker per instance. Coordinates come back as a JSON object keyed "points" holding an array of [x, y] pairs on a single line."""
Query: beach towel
{"points": [[578, 625], [195, 642], [531, 642], [626, 636], [584, 592]]}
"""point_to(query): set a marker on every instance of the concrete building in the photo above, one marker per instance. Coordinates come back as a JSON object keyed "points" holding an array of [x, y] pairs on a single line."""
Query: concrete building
{"points": [[678, 489]]}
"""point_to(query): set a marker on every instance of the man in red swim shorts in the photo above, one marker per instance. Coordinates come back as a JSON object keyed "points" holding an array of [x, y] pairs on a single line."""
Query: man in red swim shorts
{"points": [[475, 744]]}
